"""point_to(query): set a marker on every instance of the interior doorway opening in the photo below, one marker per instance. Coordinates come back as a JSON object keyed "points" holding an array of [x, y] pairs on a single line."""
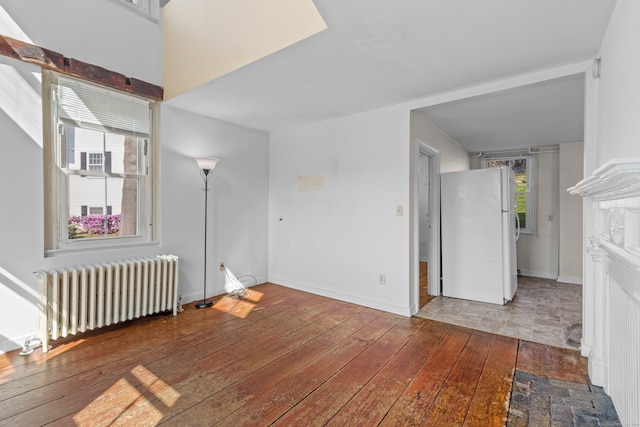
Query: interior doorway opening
{"points": [[427, 202]]}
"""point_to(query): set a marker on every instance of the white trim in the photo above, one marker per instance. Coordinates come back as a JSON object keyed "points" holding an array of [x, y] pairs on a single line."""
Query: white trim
{"points": [[539, 274], [597, 371], [497, 86], [612, 196], [341, 296], [418, 147], [434, 203], [616, 179], [11, 344], [574, 280], [197, 296], [591, 274]]}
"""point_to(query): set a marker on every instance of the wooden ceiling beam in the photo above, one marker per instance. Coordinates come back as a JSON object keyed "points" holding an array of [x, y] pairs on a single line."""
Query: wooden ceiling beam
{"points": [[51, 60]]}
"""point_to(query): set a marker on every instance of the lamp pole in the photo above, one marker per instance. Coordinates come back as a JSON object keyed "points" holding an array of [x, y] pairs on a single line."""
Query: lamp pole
{"points": [[206, 164], [204, 303]]}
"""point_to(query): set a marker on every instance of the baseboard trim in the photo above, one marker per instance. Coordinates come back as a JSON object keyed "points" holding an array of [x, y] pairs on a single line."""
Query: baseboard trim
{"points": [[597, 372], [197, 296], [538, 274], [13, 344], [574, 280], [341, 296]]}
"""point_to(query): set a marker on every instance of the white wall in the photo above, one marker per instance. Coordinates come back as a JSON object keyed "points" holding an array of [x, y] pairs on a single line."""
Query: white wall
{"points": [[337, 240], [453, 157], [238, 202], [619, 86], [570, 214], [21, 225], [98, 32], [91, 38], [538, 254]]}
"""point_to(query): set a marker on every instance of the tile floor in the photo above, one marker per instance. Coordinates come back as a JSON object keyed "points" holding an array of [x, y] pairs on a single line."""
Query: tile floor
{"points": [[543, 311]]}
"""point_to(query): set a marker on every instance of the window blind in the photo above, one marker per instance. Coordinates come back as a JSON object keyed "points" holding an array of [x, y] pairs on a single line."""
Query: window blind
{"points": [[91, 106]]}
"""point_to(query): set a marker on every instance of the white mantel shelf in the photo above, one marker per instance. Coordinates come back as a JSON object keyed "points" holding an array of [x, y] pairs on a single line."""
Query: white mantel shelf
{"points": [[616, 179]]}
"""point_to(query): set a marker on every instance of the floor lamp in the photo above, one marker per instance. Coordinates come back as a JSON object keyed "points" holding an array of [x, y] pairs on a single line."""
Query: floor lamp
{"points": [[206, 165]]}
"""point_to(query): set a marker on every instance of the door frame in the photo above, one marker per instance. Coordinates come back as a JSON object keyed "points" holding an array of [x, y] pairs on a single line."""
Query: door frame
{"points": [[422, 148]]}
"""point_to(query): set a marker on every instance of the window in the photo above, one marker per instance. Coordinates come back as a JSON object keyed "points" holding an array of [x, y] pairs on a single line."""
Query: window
{"points": [[100, 164], [524, 169], [95, 162]]}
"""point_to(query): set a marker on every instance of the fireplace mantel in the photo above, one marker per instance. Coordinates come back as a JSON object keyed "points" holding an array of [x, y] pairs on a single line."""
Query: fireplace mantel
{"points": [[617, 179], [615, 190], [611, 316]]}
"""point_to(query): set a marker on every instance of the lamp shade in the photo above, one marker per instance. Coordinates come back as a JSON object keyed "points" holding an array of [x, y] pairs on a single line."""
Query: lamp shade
{"points": [[206, 163]]}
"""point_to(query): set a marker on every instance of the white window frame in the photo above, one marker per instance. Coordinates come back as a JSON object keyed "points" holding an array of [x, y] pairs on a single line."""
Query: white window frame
{"points": [[531, 193], [55, 184]]}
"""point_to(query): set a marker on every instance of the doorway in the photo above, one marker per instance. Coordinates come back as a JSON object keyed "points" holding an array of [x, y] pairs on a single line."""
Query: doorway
{"points": [[427, 202]]}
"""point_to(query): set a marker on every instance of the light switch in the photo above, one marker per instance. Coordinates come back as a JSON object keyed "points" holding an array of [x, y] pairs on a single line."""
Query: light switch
{"points": [[399, 210]]}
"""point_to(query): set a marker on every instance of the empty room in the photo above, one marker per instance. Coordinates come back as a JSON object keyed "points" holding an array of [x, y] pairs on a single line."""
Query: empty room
{"points": [[273, 212]]}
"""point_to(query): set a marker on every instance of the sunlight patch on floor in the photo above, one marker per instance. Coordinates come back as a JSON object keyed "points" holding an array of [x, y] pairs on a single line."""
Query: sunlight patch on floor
{"points": [[239, 307], [164, 392], [118, 402], [122, 402]]}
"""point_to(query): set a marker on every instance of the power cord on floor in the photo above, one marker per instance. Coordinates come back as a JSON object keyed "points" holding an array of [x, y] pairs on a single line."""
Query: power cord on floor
{"points": [[239, 290]]}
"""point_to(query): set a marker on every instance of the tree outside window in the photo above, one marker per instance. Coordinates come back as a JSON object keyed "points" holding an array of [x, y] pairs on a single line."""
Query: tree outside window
{"points": [[524, 195], [99, 160]]}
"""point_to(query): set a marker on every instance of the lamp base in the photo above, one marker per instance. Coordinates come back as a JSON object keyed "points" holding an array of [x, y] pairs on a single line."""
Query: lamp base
{"points": [[204, 304]]}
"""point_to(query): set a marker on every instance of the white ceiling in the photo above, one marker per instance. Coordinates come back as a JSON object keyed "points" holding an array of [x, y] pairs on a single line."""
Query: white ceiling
{"points": [[377, 53], [546, 113]]}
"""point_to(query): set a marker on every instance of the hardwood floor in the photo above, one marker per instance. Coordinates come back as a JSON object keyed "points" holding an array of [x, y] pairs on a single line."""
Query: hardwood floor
{"points": [[281, 357], [424, 296]]}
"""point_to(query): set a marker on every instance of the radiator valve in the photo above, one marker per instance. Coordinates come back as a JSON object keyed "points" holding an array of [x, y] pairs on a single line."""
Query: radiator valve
{"points": [[30, 345]]}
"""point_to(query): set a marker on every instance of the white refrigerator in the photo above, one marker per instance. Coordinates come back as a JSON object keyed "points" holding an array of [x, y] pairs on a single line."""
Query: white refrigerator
{"points": [[479, 235]]}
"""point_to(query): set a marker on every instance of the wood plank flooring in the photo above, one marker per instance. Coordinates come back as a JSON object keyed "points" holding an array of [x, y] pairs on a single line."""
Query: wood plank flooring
{"points": [[424, 296], [278, 357]]}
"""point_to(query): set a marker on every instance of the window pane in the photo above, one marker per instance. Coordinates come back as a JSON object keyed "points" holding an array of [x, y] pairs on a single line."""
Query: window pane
{"points": [[103, 152], [128, 207], [521, 208], [520, 168], [98, 179], [116, 195]]}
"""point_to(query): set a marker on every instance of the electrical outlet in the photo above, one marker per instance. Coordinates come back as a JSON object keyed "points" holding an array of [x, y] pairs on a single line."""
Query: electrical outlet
{"points": [[222, 266], [382, 279]]}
